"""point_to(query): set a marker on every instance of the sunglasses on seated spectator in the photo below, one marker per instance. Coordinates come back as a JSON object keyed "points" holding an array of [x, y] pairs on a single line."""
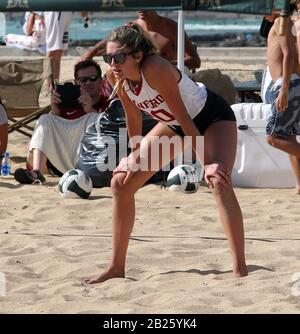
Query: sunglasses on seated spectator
{"points": [[119, 58], [89, 78]]}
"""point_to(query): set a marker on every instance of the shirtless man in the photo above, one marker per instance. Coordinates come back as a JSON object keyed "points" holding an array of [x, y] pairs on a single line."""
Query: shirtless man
{"points": [[163, 32], [283, 92], [296, 19]]}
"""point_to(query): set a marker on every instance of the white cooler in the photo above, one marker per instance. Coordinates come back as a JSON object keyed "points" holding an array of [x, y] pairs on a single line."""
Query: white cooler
{"points": [[258, 164]]}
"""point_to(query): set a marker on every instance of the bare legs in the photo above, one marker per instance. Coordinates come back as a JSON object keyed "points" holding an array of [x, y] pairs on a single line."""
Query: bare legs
{"points": [[123, 201], [292, 147], [220, 149], [295, 162], [39, 159], [56, 56], [220, 145], [3, 137]]}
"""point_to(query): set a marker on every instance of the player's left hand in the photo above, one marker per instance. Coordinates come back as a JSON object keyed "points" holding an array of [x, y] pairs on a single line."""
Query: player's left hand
{"points": [[216, 170]]}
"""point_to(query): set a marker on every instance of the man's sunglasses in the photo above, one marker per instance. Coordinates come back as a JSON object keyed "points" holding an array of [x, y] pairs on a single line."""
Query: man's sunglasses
{"points": [[119, 58], [86, 79]]}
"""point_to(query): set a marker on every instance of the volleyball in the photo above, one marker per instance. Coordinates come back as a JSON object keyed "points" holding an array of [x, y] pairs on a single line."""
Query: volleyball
{"points": [[184, 178], [75, 184]]}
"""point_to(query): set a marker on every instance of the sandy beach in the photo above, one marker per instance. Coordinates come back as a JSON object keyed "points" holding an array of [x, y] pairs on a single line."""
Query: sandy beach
{"points": [[178, 259]]}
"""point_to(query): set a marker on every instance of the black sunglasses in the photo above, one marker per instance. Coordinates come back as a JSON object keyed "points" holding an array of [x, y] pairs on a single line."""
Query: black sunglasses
{"points": [[86, 79], [119, 58]]}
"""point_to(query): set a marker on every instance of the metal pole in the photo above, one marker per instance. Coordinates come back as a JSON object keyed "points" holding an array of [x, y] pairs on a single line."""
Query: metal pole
{"points": [[180, 44]]}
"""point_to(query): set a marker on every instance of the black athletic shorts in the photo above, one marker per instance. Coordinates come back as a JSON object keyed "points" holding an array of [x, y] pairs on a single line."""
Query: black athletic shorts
{"points": [[215, 109]]}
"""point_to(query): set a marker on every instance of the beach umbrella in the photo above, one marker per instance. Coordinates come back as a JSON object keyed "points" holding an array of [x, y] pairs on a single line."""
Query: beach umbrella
{"points": [[88, 5], [233, 6]]}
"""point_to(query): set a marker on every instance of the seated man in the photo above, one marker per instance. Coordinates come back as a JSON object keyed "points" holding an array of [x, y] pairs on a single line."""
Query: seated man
{"points": [[163, 32], [55, 137], [92, 98], [3, 131]]}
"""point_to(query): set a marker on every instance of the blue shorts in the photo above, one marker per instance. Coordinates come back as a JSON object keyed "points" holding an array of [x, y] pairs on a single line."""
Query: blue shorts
{"points": [[284, 123]]}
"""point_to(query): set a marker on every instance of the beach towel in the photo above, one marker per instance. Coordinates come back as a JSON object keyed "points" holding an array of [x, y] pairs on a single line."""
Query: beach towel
{"points": [[34, 42], [60, 138]]}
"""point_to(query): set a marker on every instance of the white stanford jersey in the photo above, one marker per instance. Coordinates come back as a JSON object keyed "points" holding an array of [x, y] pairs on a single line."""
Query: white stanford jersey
{"points": [[147, 99]]}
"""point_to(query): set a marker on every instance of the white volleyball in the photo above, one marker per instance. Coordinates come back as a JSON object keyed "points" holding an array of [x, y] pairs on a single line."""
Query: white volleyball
{"points": [[184, 178], [75, 184]]}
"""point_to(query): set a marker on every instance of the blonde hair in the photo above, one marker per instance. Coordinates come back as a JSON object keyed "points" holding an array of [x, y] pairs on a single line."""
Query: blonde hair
{"points": [[131, 36]]}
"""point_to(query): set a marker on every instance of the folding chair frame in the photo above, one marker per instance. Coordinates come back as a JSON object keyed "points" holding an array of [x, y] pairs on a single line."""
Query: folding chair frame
{"points": [[20, 115]]}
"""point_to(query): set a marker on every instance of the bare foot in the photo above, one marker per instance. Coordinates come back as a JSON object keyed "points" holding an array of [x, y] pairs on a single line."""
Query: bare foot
{"points": [[241, 271], [106, 275], [298, 190]]}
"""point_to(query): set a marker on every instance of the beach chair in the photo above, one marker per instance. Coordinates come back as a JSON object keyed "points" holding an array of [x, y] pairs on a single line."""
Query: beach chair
{"points": [[21, 82]]}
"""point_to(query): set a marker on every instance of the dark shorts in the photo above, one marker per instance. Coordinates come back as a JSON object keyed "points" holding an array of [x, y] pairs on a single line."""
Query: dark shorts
{"points": [[215, 109]]}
